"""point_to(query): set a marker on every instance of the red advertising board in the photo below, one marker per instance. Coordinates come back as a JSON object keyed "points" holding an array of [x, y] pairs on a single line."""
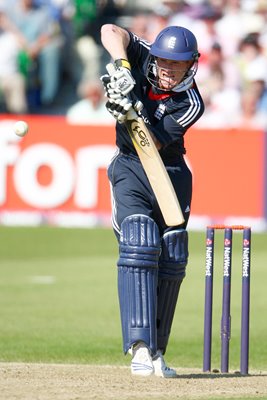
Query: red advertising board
{"points": [[228, 170], [58, 167]]}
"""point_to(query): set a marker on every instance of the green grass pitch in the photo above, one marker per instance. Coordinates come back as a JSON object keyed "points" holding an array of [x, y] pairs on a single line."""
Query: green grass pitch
{"points": [[58, 296]]}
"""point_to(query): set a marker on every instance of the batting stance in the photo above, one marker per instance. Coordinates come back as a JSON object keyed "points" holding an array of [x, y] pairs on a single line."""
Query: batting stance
{"points": [[152, 256]]}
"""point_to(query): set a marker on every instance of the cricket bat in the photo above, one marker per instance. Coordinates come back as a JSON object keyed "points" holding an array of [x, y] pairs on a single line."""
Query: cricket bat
{"points": [[153, 166]]}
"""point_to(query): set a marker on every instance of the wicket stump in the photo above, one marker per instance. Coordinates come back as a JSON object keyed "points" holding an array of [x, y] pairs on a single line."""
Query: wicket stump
{"points": [[226, 300]]}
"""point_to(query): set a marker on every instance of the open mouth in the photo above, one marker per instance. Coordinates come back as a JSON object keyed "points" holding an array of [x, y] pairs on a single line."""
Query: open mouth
{"points": [[168, 76], [167, 79]]}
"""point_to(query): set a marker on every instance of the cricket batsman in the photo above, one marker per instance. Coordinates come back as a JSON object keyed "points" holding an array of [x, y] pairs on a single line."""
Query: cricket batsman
{"points": [[158, 82]]}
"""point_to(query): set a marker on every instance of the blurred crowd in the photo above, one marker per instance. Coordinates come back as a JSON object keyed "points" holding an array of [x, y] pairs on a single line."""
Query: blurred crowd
{"points": [[51, 56]]}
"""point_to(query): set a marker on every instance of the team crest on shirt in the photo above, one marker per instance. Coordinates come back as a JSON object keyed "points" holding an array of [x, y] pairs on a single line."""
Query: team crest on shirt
{"points": [[160, 111]]}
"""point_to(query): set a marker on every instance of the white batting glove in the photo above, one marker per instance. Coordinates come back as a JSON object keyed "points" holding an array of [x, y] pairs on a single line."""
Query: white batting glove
{"points": [[105, 79], [118, 108], [121, 83], [138, 105], [121, 80]]}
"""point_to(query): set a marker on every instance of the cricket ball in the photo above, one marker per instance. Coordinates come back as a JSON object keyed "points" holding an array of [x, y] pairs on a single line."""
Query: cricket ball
{"points": [[21, 128]]}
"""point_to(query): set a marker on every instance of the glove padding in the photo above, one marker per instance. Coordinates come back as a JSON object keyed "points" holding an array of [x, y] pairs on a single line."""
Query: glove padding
{"points": [[119, 108], [119, 84]]}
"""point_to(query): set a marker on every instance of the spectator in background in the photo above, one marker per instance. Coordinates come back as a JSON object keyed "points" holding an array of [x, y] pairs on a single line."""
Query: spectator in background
{"points": [[148, 25], [217, 81], [90, 15], [261, 9], [204, 26], [43, 44], [250, 59], [76, 25], [179, 13], [157, 21], [139, 24], [86, 48], [235, 90], [236, 22], [12, 82], [252, 115], [62, 12], [252, 63], [91, 109], [90, 59]]}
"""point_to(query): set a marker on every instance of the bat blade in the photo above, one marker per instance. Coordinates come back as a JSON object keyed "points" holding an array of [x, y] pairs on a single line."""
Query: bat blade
{"points": [[155, 170]]}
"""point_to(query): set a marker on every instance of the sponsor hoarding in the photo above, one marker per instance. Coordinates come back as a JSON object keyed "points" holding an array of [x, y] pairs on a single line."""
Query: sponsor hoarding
{"points": [[58, 172]]}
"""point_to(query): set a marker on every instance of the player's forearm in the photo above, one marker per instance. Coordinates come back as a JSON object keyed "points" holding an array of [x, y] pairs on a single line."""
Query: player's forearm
{"points": [[115, 40]]}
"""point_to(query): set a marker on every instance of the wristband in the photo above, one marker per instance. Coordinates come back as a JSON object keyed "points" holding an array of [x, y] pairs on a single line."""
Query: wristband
{"points": [[121, 62]]}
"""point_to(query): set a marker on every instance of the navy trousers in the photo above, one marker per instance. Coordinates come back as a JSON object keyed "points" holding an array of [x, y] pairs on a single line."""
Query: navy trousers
{"points": [[132, 193]]}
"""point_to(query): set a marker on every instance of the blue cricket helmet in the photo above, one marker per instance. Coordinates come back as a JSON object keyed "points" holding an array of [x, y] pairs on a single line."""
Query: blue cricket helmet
{"points": [[175, 43]]}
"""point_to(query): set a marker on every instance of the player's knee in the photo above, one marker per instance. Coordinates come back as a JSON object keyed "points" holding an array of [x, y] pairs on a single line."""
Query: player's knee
{"points": [[139, 242], [174, 254]]}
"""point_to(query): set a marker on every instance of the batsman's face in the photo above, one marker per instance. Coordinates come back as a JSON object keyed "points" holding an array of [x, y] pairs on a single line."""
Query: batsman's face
{"points": [[171, 73]]}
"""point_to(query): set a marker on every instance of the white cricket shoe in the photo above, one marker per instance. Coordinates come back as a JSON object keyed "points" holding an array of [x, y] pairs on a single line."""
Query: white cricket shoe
{"points": [[160, 368], [141, 364]]}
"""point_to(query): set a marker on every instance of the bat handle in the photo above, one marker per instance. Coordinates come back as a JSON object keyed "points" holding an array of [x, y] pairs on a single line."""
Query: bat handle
{"points": [[110, 67]]}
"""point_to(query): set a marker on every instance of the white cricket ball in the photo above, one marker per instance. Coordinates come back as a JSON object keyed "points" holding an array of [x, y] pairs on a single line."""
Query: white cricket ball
{"points": [[21, 128]]}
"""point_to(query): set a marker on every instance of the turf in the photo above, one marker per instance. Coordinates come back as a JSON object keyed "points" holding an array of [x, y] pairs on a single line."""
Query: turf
{"points": [[58, 295]]}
